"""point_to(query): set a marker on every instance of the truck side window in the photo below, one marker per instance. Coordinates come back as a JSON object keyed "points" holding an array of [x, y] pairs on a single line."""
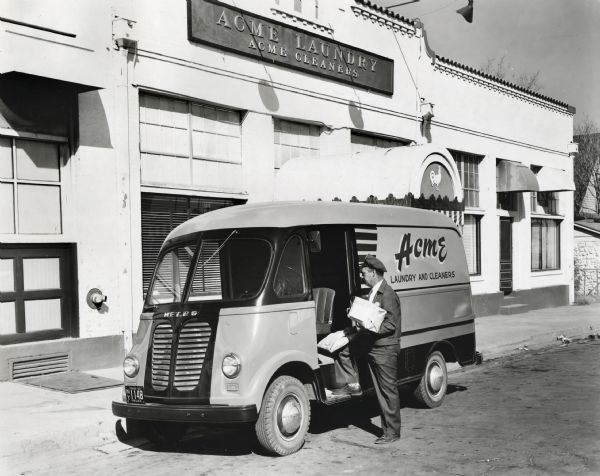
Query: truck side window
{"points": [[290, 279]]}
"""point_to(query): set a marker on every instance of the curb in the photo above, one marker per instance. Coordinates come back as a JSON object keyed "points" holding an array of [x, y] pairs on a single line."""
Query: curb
{"points": [[534, 342]]}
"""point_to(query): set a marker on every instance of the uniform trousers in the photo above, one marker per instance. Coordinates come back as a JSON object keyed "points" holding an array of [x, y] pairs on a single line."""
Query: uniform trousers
{"points": [[383, 366]]}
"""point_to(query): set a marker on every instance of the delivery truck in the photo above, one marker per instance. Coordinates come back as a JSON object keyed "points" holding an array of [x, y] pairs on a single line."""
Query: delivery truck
{"points": [[241, 296]]}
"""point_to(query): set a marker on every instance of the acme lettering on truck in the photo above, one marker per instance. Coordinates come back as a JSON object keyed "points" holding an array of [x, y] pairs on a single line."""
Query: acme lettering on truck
{"points": [[423, 248]]}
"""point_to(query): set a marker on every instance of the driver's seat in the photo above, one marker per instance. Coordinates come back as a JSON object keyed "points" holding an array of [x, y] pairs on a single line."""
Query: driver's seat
{"points": [[323, 298]]}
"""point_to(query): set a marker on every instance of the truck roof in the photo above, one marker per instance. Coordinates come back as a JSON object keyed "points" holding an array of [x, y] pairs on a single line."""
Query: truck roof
{"points": [[303, 213]]}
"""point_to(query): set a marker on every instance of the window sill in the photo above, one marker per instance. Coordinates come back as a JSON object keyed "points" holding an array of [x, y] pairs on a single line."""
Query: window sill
{"points": [[549, 272], [474, 211], [547, 217], [476, 278]]}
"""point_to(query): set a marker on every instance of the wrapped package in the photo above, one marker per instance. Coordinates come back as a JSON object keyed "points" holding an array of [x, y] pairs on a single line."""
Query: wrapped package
{"points": [[368, 315], [333, 342]]}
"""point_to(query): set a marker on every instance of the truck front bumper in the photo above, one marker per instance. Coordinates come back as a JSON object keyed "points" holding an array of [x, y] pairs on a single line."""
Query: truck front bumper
{"points": [[208, 414]]}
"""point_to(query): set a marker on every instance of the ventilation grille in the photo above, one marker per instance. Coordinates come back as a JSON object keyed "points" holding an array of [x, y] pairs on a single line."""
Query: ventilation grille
{"points": [[161, 355], [191, 351], [39, 365]]}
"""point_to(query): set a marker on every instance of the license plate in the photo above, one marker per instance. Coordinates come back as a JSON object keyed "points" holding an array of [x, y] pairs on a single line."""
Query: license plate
{"points": [[134, 394]]}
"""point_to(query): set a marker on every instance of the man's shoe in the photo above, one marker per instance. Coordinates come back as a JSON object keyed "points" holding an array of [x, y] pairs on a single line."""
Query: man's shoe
{"points": [[348, 389], [384, 440]]}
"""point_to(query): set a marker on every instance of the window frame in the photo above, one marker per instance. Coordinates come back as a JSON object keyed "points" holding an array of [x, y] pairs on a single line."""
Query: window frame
{"points": [[67, 292], [305, 277], [558, 223], [15, 181], [552, 207], [477, 218], [461, 159], [191, 155], [376, 137], [278, 146]]}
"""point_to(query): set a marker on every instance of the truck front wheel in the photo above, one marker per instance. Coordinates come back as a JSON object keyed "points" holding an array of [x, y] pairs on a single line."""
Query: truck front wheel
{"points": [[433, 385], [284, 416]]}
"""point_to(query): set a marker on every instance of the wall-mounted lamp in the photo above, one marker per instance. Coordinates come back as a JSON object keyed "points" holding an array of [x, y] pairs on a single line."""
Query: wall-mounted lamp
{"points": [[95, 298], [572, 148], [426, 111], [467, 12], [124, 33], [426, 116]]}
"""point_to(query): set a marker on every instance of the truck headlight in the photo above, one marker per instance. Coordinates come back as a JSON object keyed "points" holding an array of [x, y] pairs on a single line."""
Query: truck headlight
{"points": [[131, 366], [231, 366]]}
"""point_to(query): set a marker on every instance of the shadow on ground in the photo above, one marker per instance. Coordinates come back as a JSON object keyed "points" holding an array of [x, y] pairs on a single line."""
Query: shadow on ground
{"points": [[241, 440]]}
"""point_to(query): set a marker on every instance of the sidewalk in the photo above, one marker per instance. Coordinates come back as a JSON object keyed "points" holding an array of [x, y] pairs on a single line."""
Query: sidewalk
{"points": [[34, 420]]}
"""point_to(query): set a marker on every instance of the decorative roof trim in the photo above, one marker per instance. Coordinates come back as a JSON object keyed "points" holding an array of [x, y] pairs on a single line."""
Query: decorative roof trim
{"points": [[303, 21], [471, 74], [385, 18]]}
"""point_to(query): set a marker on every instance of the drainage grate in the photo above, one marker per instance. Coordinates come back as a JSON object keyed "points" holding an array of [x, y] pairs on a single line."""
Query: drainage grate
{"points": [[35, 366]]}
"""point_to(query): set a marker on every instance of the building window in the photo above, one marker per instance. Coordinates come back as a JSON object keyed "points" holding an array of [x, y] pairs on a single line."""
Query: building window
{"points": [[544, 202], [37, 298], [545, 244], [30, 187], [507, 201], [468, 169], [189, 145], [472, 243], [161, 213], [295, 139], [365, 142]]}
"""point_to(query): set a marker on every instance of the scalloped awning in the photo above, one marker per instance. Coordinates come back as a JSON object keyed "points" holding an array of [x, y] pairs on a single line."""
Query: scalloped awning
{"points": [[397, 171]]}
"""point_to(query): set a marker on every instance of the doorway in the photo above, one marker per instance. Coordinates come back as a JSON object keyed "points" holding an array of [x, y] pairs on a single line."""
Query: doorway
{"points": [[506, 261], [330, 268]]}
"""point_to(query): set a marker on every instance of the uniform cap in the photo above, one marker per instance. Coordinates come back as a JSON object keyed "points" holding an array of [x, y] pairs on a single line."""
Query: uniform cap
{"points": [[373, 263]]}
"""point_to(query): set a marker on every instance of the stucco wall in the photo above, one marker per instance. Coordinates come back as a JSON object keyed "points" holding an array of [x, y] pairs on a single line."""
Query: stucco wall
{"points": [[103, 187]]}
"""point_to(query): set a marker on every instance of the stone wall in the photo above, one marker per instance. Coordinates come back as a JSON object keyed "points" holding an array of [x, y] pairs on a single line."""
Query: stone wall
{"points": [[587, 264]]}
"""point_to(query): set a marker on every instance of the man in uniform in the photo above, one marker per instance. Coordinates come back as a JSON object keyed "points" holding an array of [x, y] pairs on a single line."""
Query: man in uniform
{"points": [[382, 350]]}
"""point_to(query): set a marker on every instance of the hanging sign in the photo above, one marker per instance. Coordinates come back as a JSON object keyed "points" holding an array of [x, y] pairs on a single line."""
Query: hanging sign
{"points": [[213, 23]]}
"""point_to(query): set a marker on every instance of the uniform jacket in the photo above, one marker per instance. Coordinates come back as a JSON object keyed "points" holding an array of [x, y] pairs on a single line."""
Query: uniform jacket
{"points": [[389, 332]]}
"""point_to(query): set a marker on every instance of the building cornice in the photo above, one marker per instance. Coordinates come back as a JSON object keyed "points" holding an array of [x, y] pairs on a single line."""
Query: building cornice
{"points": [[302, 21], [383, 17], [466, 73]]}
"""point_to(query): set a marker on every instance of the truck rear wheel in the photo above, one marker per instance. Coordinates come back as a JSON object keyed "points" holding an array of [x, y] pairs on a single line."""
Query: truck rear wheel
{"points": [[284, 416], [433, 385]]}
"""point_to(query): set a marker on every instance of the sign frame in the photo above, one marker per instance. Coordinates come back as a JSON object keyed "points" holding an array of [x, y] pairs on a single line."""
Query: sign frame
{"points": [[360, 72]]}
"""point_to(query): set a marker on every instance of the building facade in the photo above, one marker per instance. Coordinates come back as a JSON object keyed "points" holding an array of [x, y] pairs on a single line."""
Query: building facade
{"points": [[118, 122]]}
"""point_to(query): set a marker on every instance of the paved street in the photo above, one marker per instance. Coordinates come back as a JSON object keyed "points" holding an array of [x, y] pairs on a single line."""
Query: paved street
{"points": [[532, 413]]}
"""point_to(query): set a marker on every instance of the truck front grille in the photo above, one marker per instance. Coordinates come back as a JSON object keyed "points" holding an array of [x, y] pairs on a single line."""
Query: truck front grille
{"points": [[161, 356], [190, 353]]}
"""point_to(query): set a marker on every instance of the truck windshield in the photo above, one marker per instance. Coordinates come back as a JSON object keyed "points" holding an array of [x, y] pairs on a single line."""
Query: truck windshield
{"points": [[226, 270]]}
